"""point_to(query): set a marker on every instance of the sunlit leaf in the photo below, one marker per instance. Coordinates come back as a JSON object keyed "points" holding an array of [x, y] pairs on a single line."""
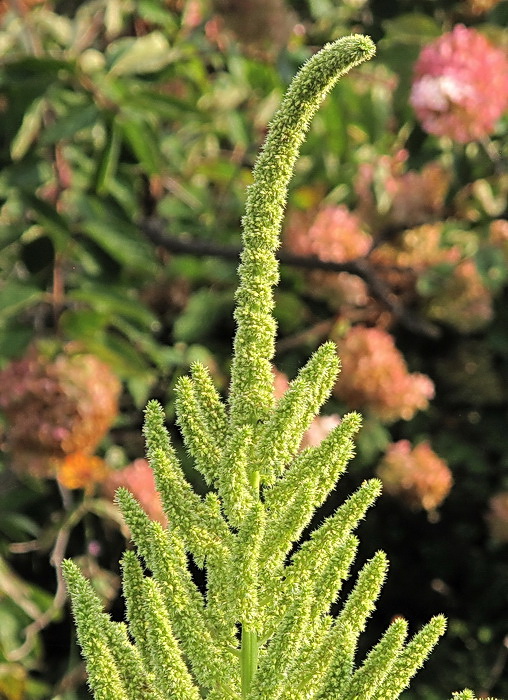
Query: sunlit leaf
{"points": [[29, 129], [144, 54], [78, 117], [109, 161]]}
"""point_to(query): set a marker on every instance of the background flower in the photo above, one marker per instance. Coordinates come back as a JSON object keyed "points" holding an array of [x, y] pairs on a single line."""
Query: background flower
{"points": [[335, 234], [417, 475], [375, 378], [460, 85], [56, 406]]}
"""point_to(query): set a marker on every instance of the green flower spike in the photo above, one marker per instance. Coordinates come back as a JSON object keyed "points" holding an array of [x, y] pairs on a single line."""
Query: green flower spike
{"points": [[264, 628]]}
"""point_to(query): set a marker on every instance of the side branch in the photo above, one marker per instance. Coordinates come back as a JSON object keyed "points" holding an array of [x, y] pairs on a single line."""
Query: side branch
{"points": [[154, 229]]}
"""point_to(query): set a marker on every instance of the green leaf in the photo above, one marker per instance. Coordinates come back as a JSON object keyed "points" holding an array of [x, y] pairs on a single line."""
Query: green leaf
{"points": [[144, 54], [108, 162], [83, 323], [156, 13], [113, 302], [55, 225], [202, 311], [9, 234], [78, 117], [29, 129], [412, 28], [15, 296], [153, 102], [144, 144], [114, 234]]}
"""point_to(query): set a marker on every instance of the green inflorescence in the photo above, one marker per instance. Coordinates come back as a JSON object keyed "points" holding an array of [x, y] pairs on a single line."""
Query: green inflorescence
{"points": [[264, 630]]}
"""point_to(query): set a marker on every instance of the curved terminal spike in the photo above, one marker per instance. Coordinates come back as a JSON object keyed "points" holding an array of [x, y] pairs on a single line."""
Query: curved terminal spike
{"points": [[251, 392]]}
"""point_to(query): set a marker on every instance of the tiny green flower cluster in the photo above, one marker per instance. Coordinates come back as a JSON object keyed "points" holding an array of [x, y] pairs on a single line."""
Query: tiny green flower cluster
{"points": [[264, 629]]}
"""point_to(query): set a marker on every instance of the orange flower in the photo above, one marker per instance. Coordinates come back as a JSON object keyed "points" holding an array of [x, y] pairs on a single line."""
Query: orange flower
{"points": [[81, 471]]}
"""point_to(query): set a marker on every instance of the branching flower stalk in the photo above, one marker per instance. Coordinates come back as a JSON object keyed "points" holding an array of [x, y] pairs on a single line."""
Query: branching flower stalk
{"points": [[264, 629]]}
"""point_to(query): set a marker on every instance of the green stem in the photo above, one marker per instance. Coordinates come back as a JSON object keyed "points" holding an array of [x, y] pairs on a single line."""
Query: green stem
{"points": [[248, 659], [255, 480]]}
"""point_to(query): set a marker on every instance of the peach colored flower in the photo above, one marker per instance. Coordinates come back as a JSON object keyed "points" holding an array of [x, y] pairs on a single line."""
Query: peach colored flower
{"points": [[375, 378], [418, 476], [335, 235], [280, 383], [498, 235], [479, 7], [139, 480], [320, 427], [460, 85], [417, 249]]}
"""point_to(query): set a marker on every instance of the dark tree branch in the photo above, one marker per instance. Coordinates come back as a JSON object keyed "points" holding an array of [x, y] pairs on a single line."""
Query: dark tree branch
{"points": [[155, 230]]}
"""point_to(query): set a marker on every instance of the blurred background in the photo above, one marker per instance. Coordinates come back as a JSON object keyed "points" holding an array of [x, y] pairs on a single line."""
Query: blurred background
{"points": [[129, 131]]}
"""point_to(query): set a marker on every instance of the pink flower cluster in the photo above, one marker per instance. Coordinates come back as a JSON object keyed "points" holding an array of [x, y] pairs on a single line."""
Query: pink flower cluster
{"points": [[335, 235], [374, 376], [460, 86], [418, 476]]}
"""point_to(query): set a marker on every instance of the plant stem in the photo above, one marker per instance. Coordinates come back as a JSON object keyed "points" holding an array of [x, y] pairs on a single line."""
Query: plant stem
{"points": [[248, 659]]}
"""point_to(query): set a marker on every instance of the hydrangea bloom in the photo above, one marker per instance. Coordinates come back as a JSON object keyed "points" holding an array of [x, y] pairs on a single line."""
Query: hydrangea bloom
{"points": [[460, 86], [56, 407], [462, 300], [335, 235], [416, 250], [498, 235], [374, 376], [418, 476], [479, 7]]}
